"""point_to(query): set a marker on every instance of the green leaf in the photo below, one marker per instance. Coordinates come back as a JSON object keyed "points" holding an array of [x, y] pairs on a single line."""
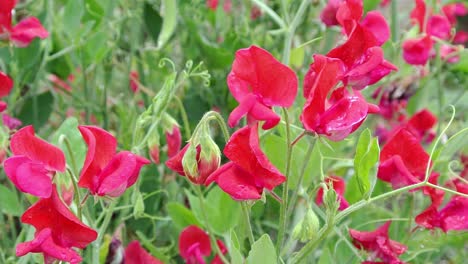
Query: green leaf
{"points": [[367, 155], [263, 251], [97, 47], [94, 12], [370, 5], [221, 211], [169, 24], [296, 58], [181, 216], [69, 129], [153, 21], [9, 202], [36, 109], [74, 10], [453, 145]]}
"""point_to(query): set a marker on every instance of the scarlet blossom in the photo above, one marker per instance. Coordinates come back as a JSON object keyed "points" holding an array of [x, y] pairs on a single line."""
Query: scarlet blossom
{"points": [[379, 244], [335, 116], [451, 217], [134, 79], [194, 245], [3, 106], [418, 14], [136, 254], [258, 82], [328, 14], [338, 184], [417, 51], [249, 170], [403, 160], [34, 163], [58, 230], [174, 141], [361, 53], [6, 84], [23, 33], [205, 166], [106, 172]]}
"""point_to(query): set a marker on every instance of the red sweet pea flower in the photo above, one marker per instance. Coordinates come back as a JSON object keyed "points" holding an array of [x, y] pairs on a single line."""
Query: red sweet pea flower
{"points": [[34, 163], [174, 141], [6, 84], [258, 82], [451, 11], [205, 166], [194, 245], [136, 254], [212, 4], [439, 26], [106, 172], [338, 184], [249, 170], [451, 217], [418, 14], [217, 259], [134, 79], [58, 230], [461, 37], [417, 51], [379, 244], [403, 160], [24, 32], [340, 114], [328, 14]]}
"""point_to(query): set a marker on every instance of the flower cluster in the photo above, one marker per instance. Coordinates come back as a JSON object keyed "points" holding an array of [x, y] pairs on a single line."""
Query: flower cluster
{"points": [[33, 168], [417, 51]]}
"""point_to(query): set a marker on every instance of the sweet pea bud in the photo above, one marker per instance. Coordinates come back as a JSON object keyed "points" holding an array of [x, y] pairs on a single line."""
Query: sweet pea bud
{"points": [[190, 163], [139, 209], [210, 155], [330, 199], [153, 146], [307, 228]]}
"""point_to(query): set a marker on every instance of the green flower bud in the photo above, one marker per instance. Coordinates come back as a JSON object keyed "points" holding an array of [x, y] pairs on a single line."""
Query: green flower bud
{"points": [[307, 228]]}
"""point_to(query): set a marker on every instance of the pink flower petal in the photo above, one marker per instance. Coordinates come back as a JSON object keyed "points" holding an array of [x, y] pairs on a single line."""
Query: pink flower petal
{"points": [[26, 30]]}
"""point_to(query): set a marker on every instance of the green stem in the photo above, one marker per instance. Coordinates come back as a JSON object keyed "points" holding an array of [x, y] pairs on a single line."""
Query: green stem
{"points": [[307, 156], [245, 211], [270, 12], [284, 205], [183, 113], [207, 224], [323, 233], [76, 197], [102, 229]]}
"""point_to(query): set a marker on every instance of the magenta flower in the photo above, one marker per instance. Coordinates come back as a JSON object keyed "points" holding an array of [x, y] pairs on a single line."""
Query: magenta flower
{"points": [[328, 14], [174, 141], [58, 230], [23, 33], [378, 244], [249, 170], [417, 51], [106, 172], [34, 163], [453, 10], [258, 82]]}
